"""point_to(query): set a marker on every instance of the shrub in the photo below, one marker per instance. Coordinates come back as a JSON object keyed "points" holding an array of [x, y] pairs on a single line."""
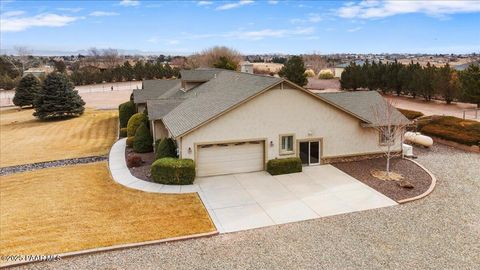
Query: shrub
{"points": [[166, 148], [130, 141], [134, 161], [125, 111], [411, 115], [172, 171], [325, 75], [451, 128], [284, 166], [310, 73], [27, 89], [134, 122], [143, 140], [123, 132]]}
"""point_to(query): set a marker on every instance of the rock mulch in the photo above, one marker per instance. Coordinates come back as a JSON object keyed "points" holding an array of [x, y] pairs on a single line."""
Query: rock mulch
{"points": [[142, 172], [411, 172], [50, 164]]}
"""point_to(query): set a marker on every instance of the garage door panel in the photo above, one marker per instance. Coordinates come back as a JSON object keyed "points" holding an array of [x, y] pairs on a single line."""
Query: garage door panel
{"points": [[230, 158]]}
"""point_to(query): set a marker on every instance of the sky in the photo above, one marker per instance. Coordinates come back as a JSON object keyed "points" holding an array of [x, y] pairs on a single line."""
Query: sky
{"points": [[251, 27]]}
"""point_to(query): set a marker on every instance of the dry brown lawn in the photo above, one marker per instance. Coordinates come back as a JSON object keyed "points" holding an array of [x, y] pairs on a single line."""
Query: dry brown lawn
{"points": [[24, 139], [79, 207]]}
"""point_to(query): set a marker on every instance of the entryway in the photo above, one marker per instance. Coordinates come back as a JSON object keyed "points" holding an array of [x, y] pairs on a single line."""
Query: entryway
{"points": [[309, 152]]}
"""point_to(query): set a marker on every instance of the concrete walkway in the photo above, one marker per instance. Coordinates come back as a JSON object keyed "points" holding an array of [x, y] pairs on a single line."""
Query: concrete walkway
{"points": [[251, 200]]}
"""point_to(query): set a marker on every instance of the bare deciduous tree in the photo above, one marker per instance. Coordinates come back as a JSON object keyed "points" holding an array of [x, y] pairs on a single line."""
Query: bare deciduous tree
{"points": [[390, 123], [315, 61], [110, 58], [22, 52], [209, 57]]}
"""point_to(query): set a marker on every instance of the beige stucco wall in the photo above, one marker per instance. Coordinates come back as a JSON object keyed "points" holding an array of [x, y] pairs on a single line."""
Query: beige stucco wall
{"points": [[160, 131], [141, 107], [288, 111]]}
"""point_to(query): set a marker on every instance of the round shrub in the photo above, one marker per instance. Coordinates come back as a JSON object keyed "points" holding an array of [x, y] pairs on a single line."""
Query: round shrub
{"points": [[284, 165], [172, 171], [123, 132], [125, 111], [130, 141], [134, 122], [166, 148], [325, 74], [143, 140], [310, 73], [134, 161]]}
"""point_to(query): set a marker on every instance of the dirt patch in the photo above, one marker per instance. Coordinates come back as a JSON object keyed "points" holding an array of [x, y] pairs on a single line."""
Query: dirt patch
{"points": [[142, 172], [411, 172]]}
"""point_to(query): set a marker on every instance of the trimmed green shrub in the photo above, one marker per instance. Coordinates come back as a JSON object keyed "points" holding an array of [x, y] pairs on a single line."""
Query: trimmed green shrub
{"points": [[134, 122], [125, 111], [172, 171], [143, 140], [166, 148], [123, 132], [411, 115], [284, 165], [130, 141]]}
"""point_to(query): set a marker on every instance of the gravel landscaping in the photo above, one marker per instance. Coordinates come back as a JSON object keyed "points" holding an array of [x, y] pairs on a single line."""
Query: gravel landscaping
{"points": [[411, 172], [441, 231], [142, 172]]}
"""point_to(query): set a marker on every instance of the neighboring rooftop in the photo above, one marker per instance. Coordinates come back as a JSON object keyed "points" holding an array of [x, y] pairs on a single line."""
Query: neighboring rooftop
{"points": [[199, 74], [152, 89], [369, 106]]}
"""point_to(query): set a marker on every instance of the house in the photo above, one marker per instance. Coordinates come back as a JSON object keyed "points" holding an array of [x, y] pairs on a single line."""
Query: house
{"points": [[39, 72], [233, 122]]}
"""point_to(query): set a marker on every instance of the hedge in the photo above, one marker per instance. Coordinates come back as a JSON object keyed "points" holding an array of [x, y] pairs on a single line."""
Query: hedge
{"points": [[451, 128], [134, 122], [143, 140], [125, 111], [166, 148], [411, 115], [172, 171], [130, 141], [284, 166], [123, 132]]}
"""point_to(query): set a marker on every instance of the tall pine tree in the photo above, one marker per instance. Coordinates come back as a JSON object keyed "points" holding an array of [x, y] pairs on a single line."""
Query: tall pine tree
{"points": [[58, 99], [470, 81], [27, 89], [294, 71]]}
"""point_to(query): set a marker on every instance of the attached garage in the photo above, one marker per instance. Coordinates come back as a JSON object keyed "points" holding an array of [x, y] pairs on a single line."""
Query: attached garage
{"points": [[227, 158]]}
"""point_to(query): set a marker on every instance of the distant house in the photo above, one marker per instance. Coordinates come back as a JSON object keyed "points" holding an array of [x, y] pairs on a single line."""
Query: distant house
{"points": [[233, 122], [38, 72]]}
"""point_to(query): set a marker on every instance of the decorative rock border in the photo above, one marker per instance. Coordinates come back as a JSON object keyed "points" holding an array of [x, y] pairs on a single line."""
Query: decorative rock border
{"points": [[50, 164], [428, 191], [116, 247]]}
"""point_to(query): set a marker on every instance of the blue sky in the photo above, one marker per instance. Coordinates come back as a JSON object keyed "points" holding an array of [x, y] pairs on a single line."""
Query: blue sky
{"points": [[184, 27]]}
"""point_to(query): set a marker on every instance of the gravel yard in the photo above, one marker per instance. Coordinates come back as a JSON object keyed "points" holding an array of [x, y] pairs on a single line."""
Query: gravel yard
{"points": [[440, 231]]}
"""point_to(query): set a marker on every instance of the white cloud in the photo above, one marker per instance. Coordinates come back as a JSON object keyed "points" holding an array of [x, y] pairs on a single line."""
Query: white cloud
{"points": [[17, 23], [272, 2], [354, 29], [270, 33], [12, 13], [103, 13], [129, 3], [381, 9], [311, 17], [204, 3], [234, 5], [74, 10]]}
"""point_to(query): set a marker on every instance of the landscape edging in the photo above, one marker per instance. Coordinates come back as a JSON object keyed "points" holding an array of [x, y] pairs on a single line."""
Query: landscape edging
{"points": [[428, 191], [117, 247]]}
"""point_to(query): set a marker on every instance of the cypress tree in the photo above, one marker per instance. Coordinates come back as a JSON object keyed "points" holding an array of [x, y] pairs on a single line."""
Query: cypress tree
{"points": [[143, 140], [294, 71], [470, 82], [27, 89], [58, 99]]}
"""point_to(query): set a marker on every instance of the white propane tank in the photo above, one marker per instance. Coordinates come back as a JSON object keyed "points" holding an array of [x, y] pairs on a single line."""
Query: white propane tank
{"points": [[417, 138], [407, 150]]}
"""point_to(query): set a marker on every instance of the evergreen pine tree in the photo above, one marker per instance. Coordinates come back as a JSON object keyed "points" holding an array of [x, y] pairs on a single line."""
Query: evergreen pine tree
{"points": [[27, 89], [58, 99], [294, 71], [143, 142], [470, 82]]}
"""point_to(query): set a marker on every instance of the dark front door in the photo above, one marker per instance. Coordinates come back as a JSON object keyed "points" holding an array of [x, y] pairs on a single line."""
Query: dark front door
{"points": [[310, 152]]}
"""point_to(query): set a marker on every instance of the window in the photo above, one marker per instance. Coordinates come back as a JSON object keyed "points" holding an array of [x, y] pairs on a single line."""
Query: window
{"points": [[286, 144], [386, 137]]}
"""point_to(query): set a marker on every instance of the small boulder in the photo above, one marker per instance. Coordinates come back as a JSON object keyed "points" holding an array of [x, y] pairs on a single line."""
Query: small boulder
{"points": [[405, 184], [134, 161]]}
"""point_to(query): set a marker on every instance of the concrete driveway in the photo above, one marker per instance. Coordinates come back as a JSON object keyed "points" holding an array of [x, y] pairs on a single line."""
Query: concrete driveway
{"points": [[245, 201]]}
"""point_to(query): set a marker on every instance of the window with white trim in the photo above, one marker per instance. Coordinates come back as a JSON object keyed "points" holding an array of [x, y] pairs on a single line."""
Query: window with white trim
{"points": [[286, 144], [386, 137]]}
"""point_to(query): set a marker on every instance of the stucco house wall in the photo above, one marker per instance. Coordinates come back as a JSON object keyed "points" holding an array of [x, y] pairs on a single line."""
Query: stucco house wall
{"points": [[288, 111], [159, 130]]}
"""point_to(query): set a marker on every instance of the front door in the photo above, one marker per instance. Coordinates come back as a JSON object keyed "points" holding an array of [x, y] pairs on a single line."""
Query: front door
{"points": [[310, 152]]}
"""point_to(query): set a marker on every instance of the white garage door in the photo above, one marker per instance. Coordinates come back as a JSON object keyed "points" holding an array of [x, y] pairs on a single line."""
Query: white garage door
{"points": [[216, 159]]}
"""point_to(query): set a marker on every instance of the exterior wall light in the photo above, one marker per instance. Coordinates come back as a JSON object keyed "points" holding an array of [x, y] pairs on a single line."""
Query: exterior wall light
{"points": [[189, 150], [271, 143]]}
